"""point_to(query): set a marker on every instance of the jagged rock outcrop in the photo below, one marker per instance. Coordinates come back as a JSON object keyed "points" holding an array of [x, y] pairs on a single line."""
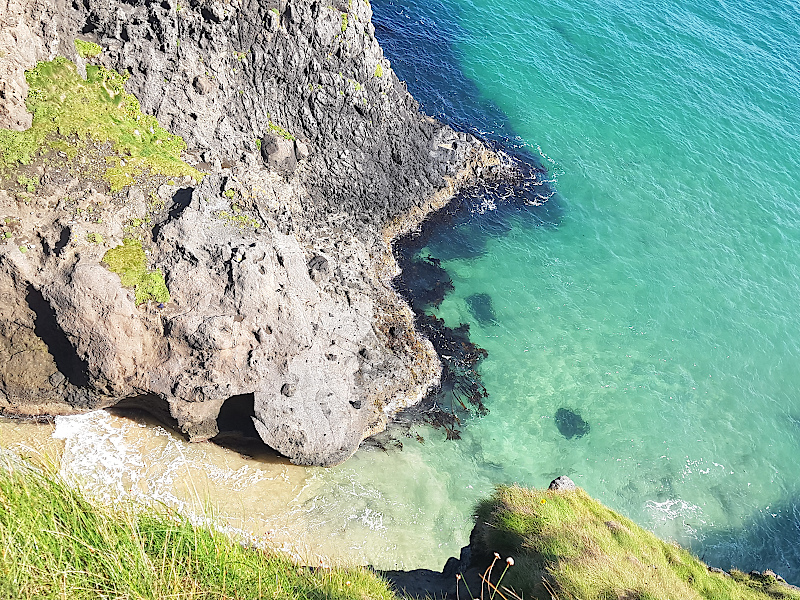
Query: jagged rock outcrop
{"points": [[276, 263]]}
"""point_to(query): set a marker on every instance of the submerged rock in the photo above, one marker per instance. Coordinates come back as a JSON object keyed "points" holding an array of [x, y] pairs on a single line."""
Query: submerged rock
{"points": [[481, 307], [570, 424]]}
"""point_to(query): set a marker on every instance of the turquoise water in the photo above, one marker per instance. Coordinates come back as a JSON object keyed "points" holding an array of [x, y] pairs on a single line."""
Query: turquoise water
{"points": [[662, 305]]}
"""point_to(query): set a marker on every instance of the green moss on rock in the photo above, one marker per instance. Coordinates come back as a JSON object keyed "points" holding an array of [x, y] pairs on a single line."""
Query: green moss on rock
{"points": [[281, 131], [69, 111], [87, 49], [29, 183], [130, 263]]}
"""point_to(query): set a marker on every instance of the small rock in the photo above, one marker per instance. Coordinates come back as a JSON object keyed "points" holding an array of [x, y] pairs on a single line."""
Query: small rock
{"points": [[616, 526], [166, 191], [57, 378], [716, 570], [301, 150], [278, 154], [317, 267], [562, 484], [203, 85]]}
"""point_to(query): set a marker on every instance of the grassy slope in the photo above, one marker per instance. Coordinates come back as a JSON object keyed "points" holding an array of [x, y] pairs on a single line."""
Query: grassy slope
{"points": [[56, 544], [581, 549]]}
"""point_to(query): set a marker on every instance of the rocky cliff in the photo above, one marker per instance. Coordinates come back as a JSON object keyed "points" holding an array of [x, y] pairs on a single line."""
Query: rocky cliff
{"points": [[248, 273]]}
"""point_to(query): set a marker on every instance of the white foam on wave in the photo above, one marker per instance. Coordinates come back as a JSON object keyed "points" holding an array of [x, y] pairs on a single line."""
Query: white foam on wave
{"points": [[677, 518], [97, 456], [114, 459]]}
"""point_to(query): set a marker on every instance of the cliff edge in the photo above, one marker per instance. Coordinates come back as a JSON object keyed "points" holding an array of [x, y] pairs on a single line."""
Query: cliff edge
{"points": [[196, 206]]}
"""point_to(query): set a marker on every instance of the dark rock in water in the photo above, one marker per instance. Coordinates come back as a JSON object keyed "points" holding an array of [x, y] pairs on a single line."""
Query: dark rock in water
{"points": [[570, 424], [480, 305]]}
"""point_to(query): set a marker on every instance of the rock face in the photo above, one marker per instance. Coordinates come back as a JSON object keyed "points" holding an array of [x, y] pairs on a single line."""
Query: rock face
{"points": [[562, 484], [277, 263]]}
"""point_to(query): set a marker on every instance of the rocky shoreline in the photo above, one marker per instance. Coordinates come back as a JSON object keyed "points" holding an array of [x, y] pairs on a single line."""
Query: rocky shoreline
{"points": [[305, 158]]}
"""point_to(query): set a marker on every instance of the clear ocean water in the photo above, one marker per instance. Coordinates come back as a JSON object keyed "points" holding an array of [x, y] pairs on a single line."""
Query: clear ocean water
{"points": [[657, 294], [662, 302]]}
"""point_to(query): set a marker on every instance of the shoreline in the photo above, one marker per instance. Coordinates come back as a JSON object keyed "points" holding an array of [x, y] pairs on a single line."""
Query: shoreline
{"points": [[275, 260]]}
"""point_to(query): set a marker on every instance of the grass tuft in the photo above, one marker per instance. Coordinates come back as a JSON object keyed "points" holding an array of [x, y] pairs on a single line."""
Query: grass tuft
{"points": [[281, 131], [29, 183], [87, 49], [55, 544], [567, 545]]}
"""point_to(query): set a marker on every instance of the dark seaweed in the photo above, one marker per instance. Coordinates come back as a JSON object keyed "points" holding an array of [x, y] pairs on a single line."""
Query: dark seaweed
{"points": [[431, 283]]}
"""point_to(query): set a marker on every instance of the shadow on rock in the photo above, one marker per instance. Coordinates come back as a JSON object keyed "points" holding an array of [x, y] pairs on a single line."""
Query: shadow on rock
{"points": [[47, 328]]}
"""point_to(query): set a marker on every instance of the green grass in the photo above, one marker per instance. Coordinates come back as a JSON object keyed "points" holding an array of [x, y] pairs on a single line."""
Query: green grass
{"points": [[378, 70], [87, 49], [29, 183], [70, 111], [130, 263], [239, 220], [55, 544], [568, 546], [344, 22], [281, 131]]}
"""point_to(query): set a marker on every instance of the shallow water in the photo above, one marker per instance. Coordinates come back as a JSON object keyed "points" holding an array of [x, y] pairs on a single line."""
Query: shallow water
{"points": [[655, 297]]}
